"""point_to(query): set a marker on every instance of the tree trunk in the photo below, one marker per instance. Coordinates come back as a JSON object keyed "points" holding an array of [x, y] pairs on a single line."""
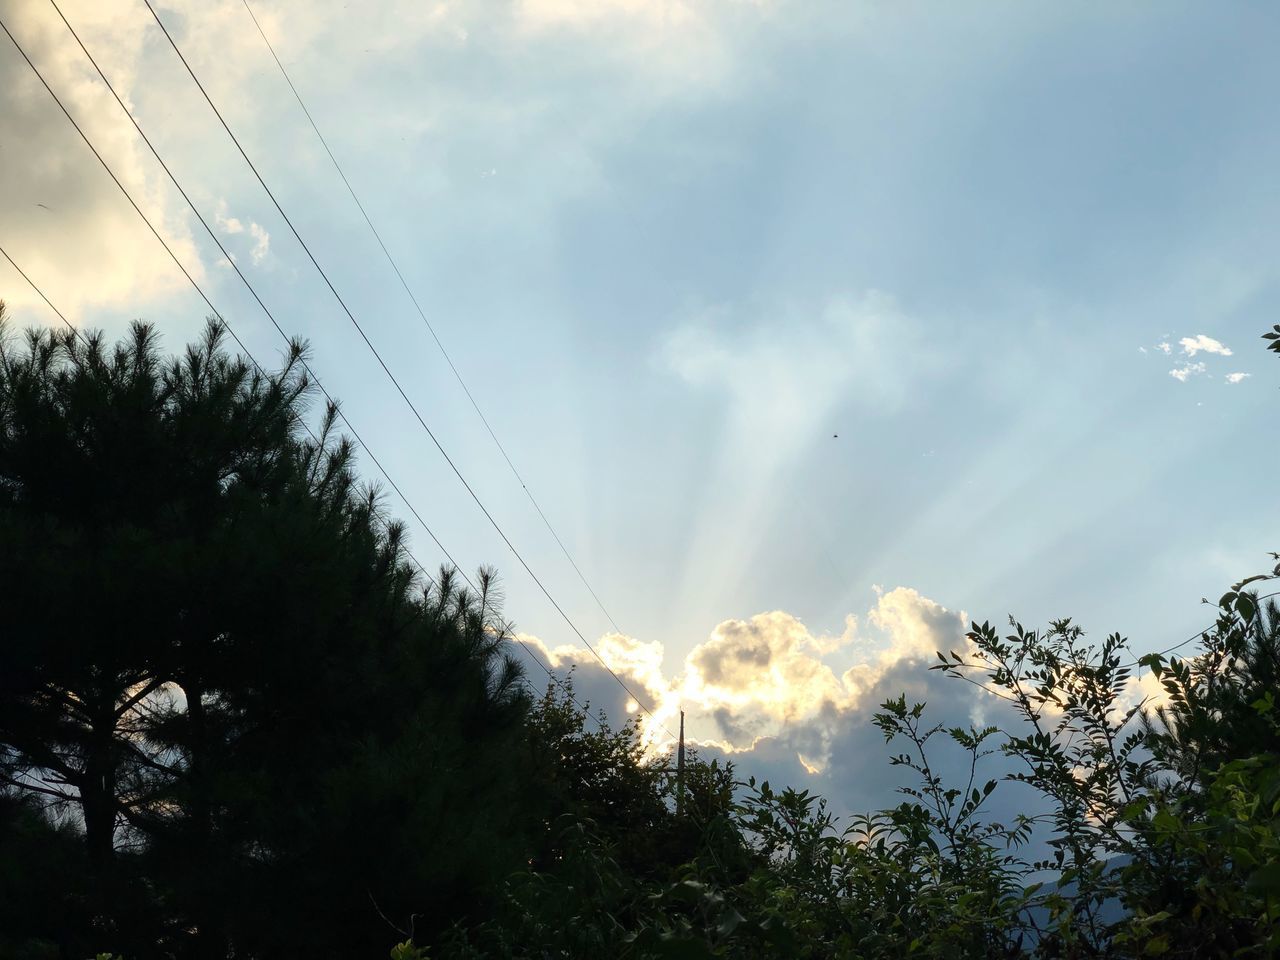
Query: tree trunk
{"points": [[98, 805], [97, 793], [211, 942]]}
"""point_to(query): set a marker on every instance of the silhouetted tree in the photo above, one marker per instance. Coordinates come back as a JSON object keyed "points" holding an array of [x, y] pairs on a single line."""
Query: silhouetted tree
{"points": [[217, 664]]}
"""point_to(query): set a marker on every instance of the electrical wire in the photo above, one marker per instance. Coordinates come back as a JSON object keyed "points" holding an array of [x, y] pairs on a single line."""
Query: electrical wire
{"points": [[31, 283], [225, 253], [568, 691], [391, 376], [221, 319], [421, 313]]}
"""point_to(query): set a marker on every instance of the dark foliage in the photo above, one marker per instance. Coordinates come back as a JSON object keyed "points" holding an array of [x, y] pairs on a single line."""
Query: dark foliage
{"points": [[217, 665]]}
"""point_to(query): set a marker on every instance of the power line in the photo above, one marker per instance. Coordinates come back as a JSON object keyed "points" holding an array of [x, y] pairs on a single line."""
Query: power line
{"points": [[31, 283], [245, 350], [391, 376], [408, 552], [421, 313], [173, 179], [79, 335], [1191, 639], [568, 691], [439, 343]]}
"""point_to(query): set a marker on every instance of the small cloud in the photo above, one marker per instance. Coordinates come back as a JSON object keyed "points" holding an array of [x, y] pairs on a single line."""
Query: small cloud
{"points": [[1193, 345], [1163, 347], [1186, 371], [1237, 377], [227, 223], [1142, 349], [233, 225], [262, 243]]}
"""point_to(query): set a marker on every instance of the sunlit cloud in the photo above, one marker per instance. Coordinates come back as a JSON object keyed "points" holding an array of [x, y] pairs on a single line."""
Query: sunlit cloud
{"points": [[769, 677], [1237, 377], [65, 222], [1201, 343]]}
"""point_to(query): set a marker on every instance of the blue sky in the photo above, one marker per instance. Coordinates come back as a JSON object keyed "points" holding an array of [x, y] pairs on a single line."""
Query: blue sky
{"points": [[674, 247]]}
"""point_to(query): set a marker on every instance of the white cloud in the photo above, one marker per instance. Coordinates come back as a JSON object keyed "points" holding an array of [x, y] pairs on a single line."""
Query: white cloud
{"points": [[228, 223], [1163, 347], [785, 702], [1237, 377], [64, 220], [1201, 343], [262, 242], [770, 678], [233, 225], [1186, 371]]}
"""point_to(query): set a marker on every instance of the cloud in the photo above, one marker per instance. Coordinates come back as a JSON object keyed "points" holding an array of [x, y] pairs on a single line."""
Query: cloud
{"points": [[262, 242], [1200, 343], [1237, 377], [791, 363], [546, 13], [1164, 347], [681, 48], [790, 704], [785, 701], [1186, 371], [233, 225], [777, 375], [752, 674], [64, 221], [637, 663]]}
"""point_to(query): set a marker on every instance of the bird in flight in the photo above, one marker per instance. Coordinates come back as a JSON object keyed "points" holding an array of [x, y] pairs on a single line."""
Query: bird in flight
{"points": [[42, 205]]}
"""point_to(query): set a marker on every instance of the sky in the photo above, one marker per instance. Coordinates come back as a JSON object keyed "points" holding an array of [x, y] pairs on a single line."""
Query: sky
{"points": [[816, 329]]}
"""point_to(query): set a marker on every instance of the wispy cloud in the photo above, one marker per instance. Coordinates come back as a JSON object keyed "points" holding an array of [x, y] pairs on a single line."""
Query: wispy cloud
{"points": [[1185, 371], [1237, 377], [1201, 343], [778, 373], [233, 225]]}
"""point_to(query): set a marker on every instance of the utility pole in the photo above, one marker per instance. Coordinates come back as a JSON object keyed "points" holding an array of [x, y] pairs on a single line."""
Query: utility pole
{"points": [[680, 770]]}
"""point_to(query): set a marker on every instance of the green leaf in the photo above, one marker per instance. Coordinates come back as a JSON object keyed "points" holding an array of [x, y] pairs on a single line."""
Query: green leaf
{"points": [[1157, 945], [1245, 606]]}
